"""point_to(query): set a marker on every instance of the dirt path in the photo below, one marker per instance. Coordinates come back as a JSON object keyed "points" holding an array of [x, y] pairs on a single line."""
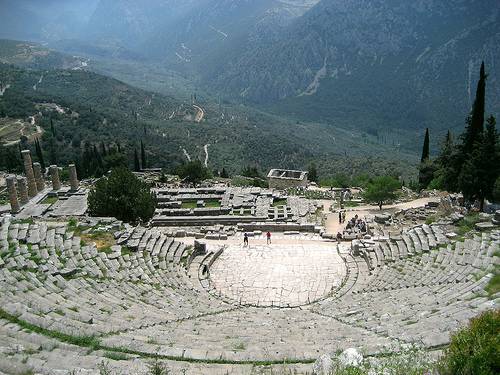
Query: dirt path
{"points": [[188, 157], [206, 155], [35, 86], [200, 114], [3, 89], [333, 226]]}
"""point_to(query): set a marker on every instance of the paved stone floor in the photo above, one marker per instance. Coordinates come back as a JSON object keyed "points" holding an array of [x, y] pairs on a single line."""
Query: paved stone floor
{"points": [[277, 275]]}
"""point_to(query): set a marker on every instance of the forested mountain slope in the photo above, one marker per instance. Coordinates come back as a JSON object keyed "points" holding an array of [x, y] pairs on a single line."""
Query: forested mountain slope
{"points": [[95, 109]]}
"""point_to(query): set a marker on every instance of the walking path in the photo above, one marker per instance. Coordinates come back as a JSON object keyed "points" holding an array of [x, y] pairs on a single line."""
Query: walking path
{"points": [[333, 226]]}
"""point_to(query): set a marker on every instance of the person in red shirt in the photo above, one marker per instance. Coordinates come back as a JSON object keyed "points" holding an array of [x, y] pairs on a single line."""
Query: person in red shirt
{"points": [[268, 236]]}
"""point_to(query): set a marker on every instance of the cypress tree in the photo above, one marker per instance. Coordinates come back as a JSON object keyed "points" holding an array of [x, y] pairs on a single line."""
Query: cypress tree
{"points": [[39, 153], [137, 164], [52, 151], [425, 150], [490, 160], [52, 128], [104, 152], [143, 156], [482, 167], [445, 163], [427, 167], [313, 173], [475, 122]]}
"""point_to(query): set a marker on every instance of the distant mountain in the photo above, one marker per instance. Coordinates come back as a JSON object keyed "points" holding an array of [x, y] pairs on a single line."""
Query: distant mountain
{"points": [[45, 20], [384, 68], [370, 65], [34, 56], [373, 63]]}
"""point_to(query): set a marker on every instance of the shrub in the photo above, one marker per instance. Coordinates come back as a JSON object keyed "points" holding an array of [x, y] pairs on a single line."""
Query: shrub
{"points": [[122, 195], [193, 172], [475, 349], [158, 368], [381, 189]]}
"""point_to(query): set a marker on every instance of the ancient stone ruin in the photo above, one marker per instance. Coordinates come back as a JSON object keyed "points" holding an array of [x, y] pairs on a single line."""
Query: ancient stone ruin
{"points": [[283, 179], [185, 287]]}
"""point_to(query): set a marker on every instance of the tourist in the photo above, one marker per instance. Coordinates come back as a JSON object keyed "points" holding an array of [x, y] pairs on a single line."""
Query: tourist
{"points": [[245, 239], [339, 237], [343, 216], [340, 217], [268, 236]]}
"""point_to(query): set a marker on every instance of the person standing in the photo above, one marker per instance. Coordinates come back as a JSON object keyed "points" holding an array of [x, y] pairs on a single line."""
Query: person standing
{"points": [[340, 217], [268, 236], [343, 216], [245, 239]]}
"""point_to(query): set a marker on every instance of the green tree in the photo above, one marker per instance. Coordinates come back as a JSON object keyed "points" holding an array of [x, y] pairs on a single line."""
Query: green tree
{"points": [[381, 189], [122, 195], [427, 168], [252, 172], [39, 153], [482, 168], [313, 173], [490, 162], [475, 123], [143, 156], [425, 149], [224, 173], [496, 191], [426, 173], [475, 349], [137, 164], [444, 176], [115, 160], [193, 172]]}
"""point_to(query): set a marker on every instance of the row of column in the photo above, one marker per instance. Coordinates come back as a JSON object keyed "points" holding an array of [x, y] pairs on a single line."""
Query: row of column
{"points": [[34, 182]]}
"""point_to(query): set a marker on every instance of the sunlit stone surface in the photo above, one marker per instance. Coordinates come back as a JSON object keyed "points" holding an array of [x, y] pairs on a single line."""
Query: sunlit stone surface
{"points": [[277, 275]]}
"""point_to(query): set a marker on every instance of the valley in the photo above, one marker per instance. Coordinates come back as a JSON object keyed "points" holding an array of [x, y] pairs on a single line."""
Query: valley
{"points": [[249, 187]]}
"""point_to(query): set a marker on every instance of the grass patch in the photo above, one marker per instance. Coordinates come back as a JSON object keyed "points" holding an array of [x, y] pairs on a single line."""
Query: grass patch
{"points": [[116, 356], [103, 240], [50, 200], [240, 346], [351, 204], [212, 203], [152, 341], [279, 202], [24, 221], [493, 286], [466, 225], [188, 205], [91, 342], [431, 219], [126, 251]]}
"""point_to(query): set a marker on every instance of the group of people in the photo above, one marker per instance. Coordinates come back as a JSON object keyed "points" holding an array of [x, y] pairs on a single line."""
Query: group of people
{"points": [[245, 238], [354, 225]]}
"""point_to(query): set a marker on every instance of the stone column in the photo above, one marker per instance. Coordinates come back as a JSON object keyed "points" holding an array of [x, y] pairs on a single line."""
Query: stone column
{"points": [[54, 174], [73, 178], [11, 187], [22, 186], [40, 182], [30, 175]]}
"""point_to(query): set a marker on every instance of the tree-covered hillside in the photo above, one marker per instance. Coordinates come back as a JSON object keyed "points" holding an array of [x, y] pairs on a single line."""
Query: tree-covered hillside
{"points": [[75, 108]]}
